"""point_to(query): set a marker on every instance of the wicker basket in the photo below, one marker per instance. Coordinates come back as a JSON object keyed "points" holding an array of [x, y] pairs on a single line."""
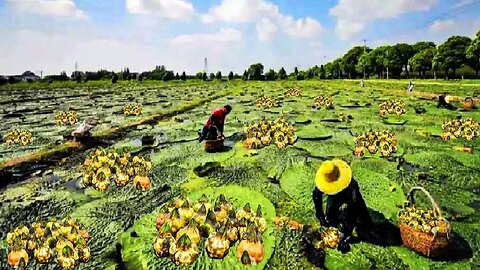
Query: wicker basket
{"points": [[212, 146], [468, 104], [426, 244]]}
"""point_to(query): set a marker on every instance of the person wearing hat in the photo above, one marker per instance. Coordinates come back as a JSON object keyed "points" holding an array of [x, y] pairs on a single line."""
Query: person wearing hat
{"points": [[213, 128], [345, 204]]}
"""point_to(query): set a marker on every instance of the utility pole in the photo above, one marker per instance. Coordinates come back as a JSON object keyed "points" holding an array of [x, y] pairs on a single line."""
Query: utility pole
{"points": [[364, 52]]}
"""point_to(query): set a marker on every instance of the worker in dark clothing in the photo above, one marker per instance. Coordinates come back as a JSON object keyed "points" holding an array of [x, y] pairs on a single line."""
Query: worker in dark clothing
{"points": [[213, 129], [345, 204], [445, 101]]}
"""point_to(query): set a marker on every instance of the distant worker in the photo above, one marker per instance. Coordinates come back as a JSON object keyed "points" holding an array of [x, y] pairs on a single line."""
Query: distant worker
{"points": [[345, 204], [362, 83], [411, 84], [445, 101], [83, 131], [213, 129]]}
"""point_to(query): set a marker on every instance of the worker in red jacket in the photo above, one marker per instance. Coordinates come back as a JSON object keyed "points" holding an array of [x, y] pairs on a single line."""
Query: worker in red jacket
{"points": [[213, 129]]}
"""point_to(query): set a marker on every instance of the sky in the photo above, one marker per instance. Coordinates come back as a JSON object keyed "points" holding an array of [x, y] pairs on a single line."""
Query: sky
{"points": [[52, 35]]}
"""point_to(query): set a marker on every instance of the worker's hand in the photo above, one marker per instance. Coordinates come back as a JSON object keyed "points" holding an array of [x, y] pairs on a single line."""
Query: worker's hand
{"points": [[343, 245], [324, 222]]}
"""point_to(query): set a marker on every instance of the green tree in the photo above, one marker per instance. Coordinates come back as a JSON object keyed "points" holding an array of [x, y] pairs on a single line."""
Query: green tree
{"points": [[245, 76], [282, 74], [255, 72], [322, 73], [473, 54], [204, 76], [114, 77], [212, 76], [422, 61], [423, 45], [398, 57], [296, 71], [183, 77], [366, 63], [230, 76], [168, 76], [350, 61], [270, 75], [177, 77], [301, 76], [452, 54], [218, 76]]}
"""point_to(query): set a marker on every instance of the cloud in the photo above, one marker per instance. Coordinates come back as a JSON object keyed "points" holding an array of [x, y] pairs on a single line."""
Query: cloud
{"points": [[169, 9], [455, 27], [225, 35], [51, 8], [267, 17], [462, 3], [353, 15], [266, 30]]}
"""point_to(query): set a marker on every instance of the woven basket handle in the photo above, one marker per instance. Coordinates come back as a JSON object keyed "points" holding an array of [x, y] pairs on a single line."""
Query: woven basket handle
{"points": [[437, 212]]}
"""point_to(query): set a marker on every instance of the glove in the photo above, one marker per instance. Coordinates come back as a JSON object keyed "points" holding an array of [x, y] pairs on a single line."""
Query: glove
{"points": [[343, 246], [324, 222]]}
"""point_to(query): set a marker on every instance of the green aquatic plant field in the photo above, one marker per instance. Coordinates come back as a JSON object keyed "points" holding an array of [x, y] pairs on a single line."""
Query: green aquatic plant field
{"points": [[121, 221]]}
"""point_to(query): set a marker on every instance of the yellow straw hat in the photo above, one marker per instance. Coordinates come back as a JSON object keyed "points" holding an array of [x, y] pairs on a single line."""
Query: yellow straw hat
{"points": [[333, 176]]}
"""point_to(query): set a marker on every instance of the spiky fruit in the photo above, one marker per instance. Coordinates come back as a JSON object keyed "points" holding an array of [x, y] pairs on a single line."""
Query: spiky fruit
{"points": [[201, 215], [141, 182], [67, 257], [121, 179], [177, 222], [43, 254], [192, 232], [187, 251], [217, 244], [186, 212], [253, 247], [202, 201], [18, 258]]}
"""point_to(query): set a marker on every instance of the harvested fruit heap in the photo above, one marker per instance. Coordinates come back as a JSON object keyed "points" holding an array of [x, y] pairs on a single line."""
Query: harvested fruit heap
{"points": [[385, 140], [262, 134], [18, 136], [466, 127], [266, 102], [422, 220], [329, 238], [183, 225], [293, 92], [67, 238], [132, 109], [392, 107], [100, 164], [66, 118], [321, 101]]}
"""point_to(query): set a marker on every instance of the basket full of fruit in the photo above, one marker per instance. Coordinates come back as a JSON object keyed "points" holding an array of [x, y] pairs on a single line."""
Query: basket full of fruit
{"points": [[426, 232], [212, 146], [184, 227]]}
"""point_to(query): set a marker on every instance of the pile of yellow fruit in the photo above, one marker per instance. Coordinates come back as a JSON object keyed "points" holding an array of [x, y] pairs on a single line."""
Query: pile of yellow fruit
{"points": [[266, 102], [293, 92], [66, 118], [384, 140], [132, 109], [423, 220], [392, 107], [17, 136], [466, 127], [67, 239], [100, 164], [329, 238], [262, 134], [321, 101], [182, 224]]}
